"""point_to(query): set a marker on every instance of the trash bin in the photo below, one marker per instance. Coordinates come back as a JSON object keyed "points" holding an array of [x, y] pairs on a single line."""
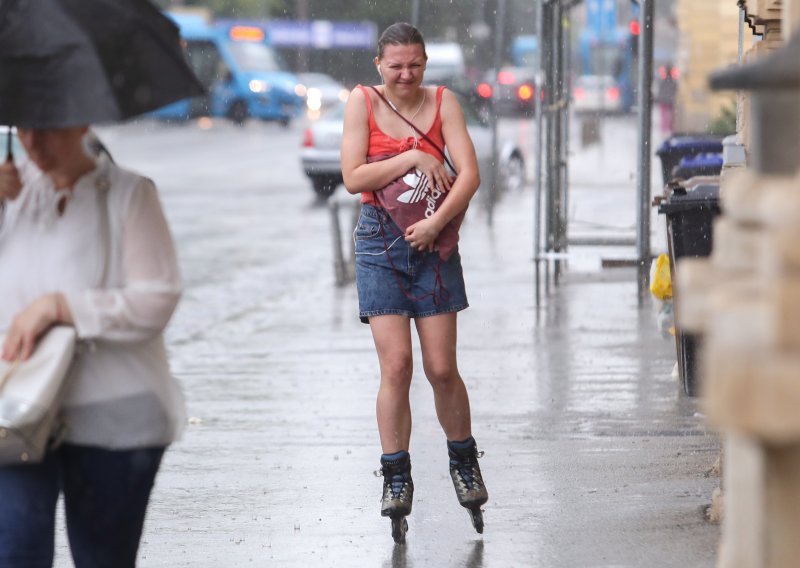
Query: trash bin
{"points": [[689, 216], [685, 145], [706, 164]]}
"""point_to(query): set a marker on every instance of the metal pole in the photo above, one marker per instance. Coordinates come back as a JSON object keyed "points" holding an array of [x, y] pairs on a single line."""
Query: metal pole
{"points": [[558, 88], [740, 55], [499, 27], [415, 13], [550, 98], [537, 142], [565, 92], [645, 102]]}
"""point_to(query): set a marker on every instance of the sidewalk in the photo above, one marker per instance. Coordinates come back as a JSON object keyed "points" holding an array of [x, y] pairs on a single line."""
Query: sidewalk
{"points": [[593, 458]]}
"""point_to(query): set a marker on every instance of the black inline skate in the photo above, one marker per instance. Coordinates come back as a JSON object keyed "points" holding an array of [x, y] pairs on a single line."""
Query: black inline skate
{"points": [[467, 479], [398, 492]]}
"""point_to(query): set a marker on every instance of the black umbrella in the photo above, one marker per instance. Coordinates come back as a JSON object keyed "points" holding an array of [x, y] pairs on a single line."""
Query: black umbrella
{"points": [[74, 62]]}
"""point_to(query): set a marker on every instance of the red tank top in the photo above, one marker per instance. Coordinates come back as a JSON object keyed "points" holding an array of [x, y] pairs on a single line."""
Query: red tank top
{"points": [[381, 144]]}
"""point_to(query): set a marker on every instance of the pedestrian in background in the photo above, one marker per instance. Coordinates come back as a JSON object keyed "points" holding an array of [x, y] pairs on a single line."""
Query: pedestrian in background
{"points": [[412, 270], [666, 94], [122, 407]]}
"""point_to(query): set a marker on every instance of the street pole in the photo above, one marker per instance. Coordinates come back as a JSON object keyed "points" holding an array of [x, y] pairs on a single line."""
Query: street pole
{"points": [[537, 142], [645, 102], [499, 27], [415, 13]]}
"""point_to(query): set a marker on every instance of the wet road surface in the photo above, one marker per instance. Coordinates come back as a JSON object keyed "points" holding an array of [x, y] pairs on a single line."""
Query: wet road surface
{"points": [[593, 455]]}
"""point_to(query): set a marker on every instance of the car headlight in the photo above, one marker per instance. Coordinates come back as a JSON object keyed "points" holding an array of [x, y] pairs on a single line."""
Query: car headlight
{"points": [[314, 99], [300, 90], [258, 86]]}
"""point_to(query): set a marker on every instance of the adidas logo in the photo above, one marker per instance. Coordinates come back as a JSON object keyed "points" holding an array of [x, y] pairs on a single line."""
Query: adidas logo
{"points": [[418, 182]]}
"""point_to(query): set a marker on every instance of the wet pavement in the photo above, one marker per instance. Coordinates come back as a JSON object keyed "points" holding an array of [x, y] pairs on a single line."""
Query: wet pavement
{"points": [[593, 456]]}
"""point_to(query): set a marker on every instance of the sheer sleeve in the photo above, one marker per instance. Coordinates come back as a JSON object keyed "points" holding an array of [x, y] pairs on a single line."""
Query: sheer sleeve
{"points": [[151, 285]]}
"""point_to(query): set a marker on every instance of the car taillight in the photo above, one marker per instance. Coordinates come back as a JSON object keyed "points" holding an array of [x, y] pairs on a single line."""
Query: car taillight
{"points": [[308, 138], [506, 78], [578, 93], [485, 90], [525, 92], [612, 93]]}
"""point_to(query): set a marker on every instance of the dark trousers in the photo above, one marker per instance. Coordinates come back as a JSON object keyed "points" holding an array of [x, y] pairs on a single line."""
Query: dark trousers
{"points": [[105, 499]]}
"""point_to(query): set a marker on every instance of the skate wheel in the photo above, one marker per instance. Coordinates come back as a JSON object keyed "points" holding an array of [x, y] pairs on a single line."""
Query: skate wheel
{"points": [[399, 529], [477, 519]]}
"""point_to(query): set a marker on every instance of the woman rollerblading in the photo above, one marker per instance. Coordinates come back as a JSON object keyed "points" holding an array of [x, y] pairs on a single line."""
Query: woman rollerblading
{"points": [[406, 150]]}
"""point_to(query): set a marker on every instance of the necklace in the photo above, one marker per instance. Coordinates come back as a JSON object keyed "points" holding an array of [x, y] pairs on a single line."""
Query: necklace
{"points": [[413, 116]]}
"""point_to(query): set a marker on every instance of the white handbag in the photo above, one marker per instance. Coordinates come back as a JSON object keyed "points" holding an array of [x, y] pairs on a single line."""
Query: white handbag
{"points": [[31, 391], [30, 397]]}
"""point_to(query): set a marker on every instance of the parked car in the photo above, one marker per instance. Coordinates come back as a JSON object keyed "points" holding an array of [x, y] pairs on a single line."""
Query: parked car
{"points": [[320, 90], [321, 160], [598, 94], [511, 91]]}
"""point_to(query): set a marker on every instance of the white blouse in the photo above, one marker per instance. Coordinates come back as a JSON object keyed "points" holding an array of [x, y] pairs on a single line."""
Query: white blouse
{"points": [[120, 392]]}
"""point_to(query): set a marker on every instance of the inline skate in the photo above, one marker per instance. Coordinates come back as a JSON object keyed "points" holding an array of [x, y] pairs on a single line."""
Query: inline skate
{"points": [[467, 479], [398, 492]]}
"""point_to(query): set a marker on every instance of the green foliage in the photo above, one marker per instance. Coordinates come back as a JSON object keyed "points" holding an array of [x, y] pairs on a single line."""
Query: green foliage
{"points": [[724, 123]]}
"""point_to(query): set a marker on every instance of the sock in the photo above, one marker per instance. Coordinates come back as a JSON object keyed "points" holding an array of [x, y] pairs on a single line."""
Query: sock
{"points": [[461, 445]]}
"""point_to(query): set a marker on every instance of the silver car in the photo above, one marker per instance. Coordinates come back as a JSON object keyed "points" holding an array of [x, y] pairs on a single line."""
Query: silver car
{"points": [[597, 94], [322, 163]]}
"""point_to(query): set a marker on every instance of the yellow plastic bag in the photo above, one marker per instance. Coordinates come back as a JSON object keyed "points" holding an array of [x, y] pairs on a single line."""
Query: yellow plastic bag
{"points": [[660, 278]]}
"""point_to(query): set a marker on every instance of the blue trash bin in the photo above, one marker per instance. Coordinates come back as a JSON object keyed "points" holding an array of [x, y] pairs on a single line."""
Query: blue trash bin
{"points": [[685, 145], [706, 164]]}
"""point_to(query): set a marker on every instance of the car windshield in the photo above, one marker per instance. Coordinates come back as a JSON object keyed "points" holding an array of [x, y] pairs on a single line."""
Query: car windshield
{"points": [[254, 56]]}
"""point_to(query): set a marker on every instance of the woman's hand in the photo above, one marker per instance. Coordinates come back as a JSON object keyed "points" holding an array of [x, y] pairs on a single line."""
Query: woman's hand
{"points": [[422, 235], [437, 174], [10, 182], [29, 324]]}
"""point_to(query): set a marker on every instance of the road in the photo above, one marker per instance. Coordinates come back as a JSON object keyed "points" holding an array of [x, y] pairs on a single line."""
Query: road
{"points": [[593, 457]]}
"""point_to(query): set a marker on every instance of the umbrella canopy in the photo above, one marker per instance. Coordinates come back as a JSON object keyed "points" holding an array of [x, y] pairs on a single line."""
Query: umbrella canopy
{"points": [[74, 62]]}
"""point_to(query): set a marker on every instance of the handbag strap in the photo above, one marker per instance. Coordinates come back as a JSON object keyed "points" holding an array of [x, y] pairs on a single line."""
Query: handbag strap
{"points": [[412, 125], [8, 373], [103, 185]]}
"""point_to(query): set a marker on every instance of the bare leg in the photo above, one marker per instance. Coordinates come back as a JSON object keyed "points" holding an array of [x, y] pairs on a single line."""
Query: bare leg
{"points": [[437, 335], [392, 336]]}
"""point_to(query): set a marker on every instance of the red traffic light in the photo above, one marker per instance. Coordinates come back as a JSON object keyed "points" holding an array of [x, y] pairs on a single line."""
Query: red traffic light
{"points": [[634, 27]]}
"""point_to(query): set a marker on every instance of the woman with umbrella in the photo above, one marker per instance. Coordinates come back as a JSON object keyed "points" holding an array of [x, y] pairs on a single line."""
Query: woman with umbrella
{"points": [[407, 261], [122, 407], [84, 243]]}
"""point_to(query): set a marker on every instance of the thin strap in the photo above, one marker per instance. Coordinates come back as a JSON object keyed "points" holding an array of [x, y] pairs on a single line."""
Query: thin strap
{"points": [[420, 132], [369, 101], [439, 91]]}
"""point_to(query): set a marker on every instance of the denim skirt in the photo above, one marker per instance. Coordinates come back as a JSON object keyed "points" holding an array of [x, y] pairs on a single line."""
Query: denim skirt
{"points": [[393, 278]]}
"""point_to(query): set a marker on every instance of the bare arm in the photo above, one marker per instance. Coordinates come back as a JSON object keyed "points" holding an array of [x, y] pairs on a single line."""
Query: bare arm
{"points": [[359, 176]]}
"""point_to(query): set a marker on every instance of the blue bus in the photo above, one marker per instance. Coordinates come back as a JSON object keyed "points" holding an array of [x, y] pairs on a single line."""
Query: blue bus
{"points": [[242, 74]]}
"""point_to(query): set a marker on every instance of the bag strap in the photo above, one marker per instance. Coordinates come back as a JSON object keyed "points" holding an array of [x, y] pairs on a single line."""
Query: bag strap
{"points": [[8, 373], [417, 130], [103, 185]]}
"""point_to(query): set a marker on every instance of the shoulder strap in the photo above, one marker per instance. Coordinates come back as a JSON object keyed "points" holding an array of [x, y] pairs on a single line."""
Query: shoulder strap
{"points": [[420, 132]]}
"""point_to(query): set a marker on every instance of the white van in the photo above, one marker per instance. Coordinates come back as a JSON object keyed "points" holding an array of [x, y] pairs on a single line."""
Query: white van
{"points": [[445, 62]]}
